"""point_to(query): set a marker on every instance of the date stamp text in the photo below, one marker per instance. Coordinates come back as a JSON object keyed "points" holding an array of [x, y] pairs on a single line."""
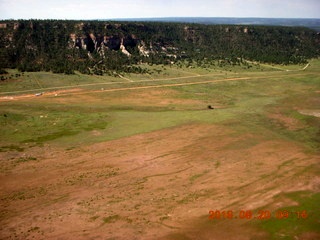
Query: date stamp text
{"points": [[260, 214]]}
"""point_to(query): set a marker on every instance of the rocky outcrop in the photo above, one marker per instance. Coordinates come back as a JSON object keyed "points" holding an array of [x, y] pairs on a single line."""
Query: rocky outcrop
{"points": [[143, 50], [124, 50], [99, 43]]}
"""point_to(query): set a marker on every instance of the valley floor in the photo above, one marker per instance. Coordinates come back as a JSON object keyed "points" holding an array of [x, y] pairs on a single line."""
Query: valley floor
{"points": [[149, 160]]}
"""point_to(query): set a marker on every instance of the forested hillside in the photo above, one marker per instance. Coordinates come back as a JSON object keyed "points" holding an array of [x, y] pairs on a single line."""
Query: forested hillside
{"points": [[107, 47]]}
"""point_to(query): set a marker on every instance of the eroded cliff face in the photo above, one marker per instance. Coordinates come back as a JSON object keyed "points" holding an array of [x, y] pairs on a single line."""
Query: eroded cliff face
{"points": [[111, 38], [83, 36], [99, 43]]}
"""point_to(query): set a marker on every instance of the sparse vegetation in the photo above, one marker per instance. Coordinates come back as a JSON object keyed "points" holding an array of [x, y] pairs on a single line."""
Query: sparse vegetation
{"points": [[111, 219], [26, 159], [217, 164]]}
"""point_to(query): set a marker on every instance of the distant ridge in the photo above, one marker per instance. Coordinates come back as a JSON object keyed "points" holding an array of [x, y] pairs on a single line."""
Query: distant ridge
{"points": [[115, 47], [313, 23]]}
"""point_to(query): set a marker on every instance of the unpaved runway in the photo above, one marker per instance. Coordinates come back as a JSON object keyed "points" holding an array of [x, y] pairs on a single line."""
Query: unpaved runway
{"points": [[78, 90]]}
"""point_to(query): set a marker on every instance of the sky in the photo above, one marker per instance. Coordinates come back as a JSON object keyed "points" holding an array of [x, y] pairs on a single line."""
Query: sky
{"points": [[110, 9]]}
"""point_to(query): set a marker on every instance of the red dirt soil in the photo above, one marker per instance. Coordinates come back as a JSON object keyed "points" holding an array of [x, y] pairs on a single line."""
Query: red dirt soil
{"points": [[158, 185]]}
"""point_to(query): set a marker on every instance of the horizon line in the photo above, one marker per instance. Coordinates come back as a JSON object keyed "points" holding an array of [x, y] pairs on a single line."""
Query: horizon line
{"points": [[141, 18]]}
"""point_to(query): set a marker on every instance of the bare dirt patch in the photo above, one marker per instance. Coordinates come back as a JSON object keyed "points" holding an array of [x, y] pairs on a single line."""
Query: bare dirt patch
{"points": [[315, 113], [40, 94], [153, 97], [158, 185]]}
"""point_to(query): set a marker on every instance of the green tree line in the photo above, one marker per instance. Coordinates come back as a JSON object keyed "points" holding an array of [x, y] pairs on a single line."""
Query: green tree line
{"points": [[47, 45]]}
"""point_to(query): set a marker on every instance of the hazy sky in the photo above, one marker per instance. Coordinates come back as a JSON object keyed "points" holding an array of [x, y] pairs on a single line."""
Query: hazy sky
{"points": [[106, 9]]}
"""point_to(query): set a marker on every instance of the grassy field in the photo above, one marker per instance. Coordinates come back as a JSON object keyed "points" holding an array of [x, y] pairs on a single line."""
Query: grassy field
{"points": [[29, 120], [153, 137]]}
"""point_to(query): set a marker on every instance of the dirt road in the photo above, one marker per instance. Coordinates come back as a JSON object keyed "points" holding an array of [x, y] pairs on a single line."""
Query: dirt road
{"points": [[78, 90]]}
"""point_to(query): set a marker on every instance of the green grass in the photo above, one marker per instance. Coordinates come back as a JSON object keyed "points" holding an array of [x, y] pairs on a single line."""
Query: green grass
{"points": [[74, 128], [296, 223], [42, 80], [11, 148], [38, 124], [249, 103], [242, 105]]}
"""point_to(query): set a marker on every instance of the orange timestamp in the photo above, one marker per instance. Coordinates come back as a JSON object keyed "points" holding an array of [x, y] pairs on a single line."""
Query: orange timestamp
{"points": [[260, 214]]}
